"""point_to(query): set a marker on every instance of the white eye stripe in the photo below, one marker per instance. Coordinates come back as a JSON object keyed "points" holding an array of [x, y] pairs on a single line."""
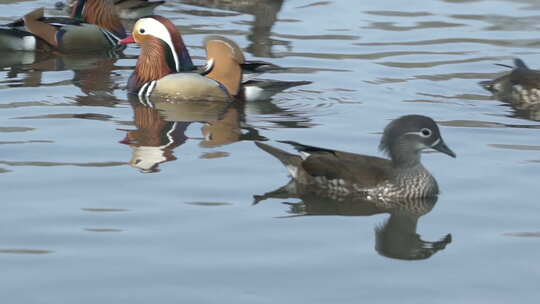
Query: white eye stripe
{"points": [[158, 30], [421, 133]]}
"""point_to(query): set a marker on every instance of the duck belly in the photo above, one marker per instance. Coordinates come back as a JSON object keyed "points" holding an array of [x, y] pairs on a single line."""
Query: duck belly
{"points": [[190, 86]]}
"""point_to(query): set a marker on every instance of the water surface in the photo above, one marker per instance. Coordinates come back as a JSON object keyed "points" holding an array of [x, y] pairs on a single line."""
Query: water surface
{"points": [[108, 201]]}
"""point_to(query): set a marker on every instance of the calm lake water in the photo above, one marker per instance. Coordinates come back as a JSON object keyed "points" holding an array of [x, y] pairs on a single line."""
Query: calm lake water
{"points": [[106, 201]]}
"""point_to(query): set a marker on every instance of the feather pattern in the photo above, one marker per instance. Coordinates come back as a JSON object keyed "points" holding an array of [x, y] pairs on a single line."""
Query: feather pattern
{"points": [[343, 173], [152, 63], [102, 14]]}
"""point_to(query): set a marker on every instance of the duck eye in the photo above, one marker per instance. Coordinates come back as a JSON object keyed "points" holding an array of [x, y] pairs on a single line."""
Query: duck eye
{"points": [[142, 31], [425, 132]]}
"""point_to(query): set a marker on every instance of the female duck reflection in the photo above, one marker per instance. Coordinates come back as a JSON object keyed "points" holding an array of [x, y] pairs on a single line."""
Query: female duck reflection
{"points": [[161, 128], [396, 238]]}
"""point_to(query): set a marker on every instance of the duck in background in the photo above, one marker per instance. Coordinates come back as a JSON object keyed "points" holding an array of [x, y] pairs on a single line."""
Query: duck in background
{"points": [[164, 56], [93, 26], [126, 9], [341, 174], [520, 87]]}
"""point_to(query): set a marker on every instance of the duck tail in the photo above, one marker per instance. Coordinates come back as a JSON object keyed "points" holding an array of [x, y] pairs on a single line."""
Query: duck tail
{"points": [[520, 64], [288, 159], [504, 65]]}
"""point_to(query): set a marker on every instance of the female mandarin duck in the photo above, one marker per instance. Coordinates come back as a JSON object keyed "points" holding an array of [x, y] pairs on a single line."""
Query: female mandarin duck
{"points": [[164, 56], [94, 26], [341, 173]]}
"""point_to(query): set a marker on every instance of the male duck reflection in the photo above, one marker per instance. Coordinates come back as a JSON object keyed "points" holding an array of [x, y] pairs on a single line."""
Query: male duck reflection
{"points": [[342, 173], [93, 26], [164, 56], [162, 129]]}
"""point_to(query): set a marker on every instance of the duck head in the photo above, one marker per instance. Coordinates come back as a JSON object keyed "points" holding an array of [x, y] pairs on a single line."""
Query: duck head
{"points": [[405, 137], [99, 12], [224, 62], [162, 49]]}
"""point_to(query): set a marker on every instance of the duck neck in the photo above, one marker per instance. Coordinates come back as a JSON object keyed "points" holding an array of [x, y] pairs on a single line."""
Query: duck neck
{"points": [[103, 14], [410, 174], [405, 156], [152, 64]]}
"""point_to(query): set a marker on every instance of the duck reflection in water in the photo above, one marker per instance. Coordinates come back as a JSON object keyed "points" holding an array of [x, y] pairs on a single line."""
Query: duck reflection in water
{"points": [[154, 139], [396, 237], [161, 128], [94, 74], [98, 80]]}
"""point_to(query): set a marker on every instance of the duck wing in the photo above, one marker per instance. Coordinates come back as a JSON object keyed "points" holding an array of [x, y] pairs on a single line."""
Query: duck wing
{"points": [[362, 170]]}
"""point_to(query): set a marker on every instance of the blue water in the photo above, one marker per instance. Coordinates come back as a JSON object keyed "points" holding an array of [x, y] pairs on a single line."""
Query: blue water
{"points": [[80, 223]]}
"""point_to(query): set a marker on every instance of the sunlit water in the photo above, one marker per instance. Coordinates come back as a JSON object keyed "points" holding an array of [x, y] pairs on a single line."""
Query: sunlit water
{"points": [[107, 201]]}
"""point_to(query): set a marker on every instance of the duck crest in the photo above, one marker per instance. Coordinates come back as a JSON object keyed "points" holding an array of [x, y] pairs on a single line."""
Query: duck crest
{"points": [[388, 139], [393, 143], [101, 13], [177, 54]]}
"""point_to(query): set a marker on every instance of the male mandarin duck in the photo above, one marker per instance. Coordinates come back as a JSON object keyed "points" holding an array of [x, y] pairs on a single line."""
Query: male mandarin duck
{"points": [[164, 56], [93, 26], [342, 174]]}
